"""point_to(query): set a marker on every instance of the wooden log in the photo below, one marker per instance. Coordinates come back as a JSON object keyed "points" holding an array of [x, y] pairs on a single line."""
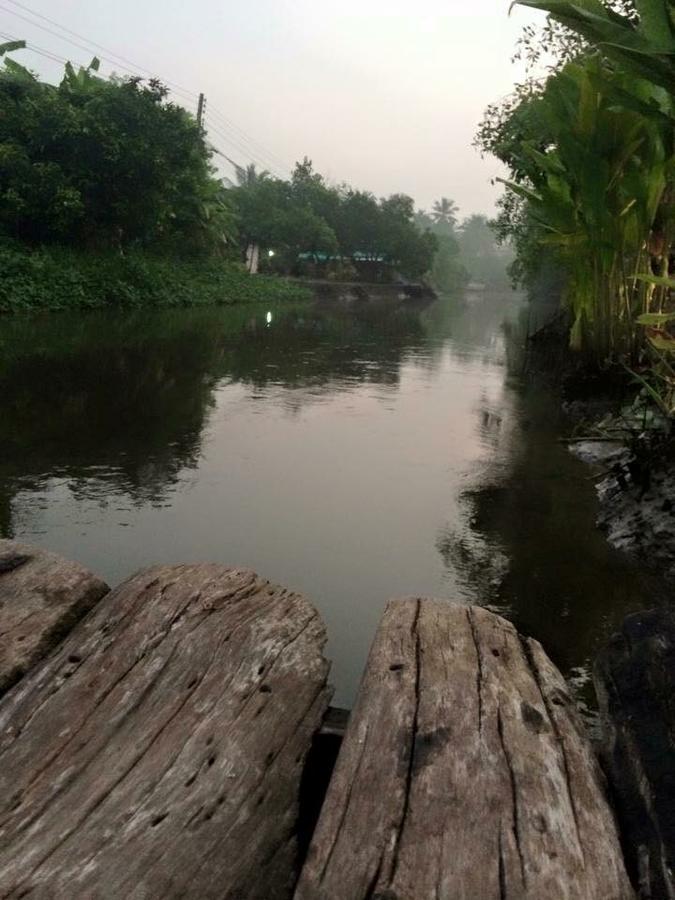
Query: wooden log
{"points": [[635, 683], [158, 753], [42, 597], [464, 774]]}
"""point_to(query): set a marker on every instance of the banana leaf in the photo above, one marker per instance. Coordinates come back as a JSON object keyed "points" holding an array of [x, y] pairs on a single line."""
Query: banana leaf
{"points": [[11, 45], [655, 319]]}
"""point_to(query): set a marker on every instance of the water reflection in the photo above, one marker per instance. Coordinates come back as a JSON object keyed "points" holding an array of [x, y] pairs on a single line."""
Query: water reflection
{"points": [[528, 547], [352, 453]]}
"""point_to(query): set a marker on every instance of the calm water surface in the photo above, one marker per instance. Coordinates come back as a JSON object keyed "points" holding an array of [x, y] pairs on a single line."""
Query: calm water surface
{"points": [[352, 454]]}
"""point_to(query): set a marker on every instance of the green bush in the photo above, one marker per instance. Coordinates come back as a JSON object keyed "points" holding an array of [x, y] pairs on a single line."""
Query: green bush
{"points": [[62, 278]]}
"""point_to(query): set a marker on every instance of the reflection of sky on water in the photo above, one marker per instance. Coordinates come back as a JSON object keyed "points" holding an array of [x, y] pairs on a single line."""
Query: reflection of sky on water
{"points": [[342, 453]]}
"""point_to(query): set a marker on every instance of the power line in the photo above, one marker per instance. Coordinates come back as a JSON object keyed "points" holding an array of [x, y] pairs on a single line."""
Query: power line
{"points": [[86, 49], [254, 148], [250, 140], [91, 44], [235, 142], [60, 59], [225, 156], [234, 135], [41, 51], [245, 151]]}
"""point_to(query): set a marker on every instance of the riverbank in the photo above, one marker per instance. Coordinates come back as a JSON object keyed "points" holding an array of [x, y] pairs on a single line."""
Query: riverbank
{"points": [[636, 500], [625, 441], [58, 278]]}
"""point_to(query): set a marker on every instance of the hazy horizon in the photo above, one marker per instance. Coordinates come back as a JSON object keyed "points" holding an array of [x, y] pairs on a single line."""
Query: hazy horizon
{"points": [[387, 101]]}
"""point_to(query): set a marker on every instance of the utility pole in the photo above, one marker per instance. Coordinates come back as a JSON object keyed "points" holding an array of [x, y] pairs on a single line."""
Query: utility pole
{"points": [[200, 110]]}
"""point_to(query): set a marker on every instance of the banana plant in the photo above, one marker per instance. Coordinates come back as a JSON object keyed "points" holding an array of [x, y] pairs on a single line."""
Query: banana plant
{"points": [[645, 47], [8, 46], [596, 176]]}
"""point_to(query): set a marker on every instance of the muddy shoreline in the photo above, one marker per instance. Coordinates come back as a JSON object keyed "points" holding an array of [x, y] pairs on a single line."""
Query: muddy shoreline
{"points": [[630, 453], [637, 518]]}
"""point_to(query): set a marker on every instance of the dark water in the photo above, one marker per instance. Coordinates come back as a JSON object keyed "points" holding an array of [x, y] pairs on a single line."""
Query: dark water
{"points": [[351, 454]]}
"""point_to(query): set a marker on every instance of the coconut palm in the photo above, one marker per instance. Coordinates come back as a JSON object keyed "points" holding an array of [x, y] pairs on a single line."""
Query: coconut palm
{"points": [[444, 212], [249, 175], [245, 176]]}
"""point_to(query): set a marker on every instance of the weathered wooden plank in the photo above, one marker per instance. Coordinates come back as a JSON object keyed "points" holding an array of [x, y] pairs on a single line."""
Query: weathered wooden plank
{"points": [[635, 683], [158, 753], [464, 774], [42, 596]]}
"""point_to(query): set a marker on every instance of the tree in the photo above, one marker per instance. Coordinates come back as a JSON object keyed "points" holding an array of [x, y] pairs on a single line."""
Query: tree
{"points": [[305, 216], [480, 253], [444, 212], [248, 175], [103, 162], [448, 273]]}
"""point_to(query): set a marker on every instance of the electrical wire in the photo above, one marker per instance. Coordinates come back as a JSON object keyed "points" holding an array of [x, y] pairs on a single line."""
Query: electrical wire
{"points": [[41, 51], [233, 142], [226, 123], [91, 44], [219, 123]]}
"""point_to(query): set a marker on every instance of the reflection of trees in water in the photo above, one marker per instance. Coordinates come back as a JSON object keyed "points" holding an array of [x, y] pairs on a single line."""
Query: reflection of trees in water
{"points": [[134, 411], [531, 548], [118, 404], [474, 324], [331, 347]]}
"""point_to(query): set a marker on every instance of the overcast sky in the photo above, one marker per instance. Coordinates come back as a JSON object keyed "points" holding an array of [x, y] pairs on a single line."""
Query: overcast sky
{"points": [[383, 95]]}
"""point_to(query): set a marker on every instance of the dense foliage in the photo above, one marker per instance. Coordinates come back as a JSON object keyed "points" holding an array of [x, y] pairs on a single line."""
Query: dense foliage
{"points": [[591, 159], [55, 277], [104, 163], [113, 168], [313, 226]]}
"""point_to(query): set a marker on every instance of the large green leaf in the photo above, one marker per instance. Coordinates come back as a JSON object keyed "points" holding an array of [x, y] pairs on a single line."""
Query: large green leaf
{"points": [[655, 21], [652, 57], [662, 341], [521, 191], [655, 319], [11, 45], [657, 280]]}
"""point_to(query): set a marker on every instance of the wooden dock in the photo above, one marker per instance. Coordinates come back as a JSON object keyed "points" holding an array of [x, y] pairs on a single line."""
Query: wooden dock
{"points": [[159, 751], [170, 747], [464, 773]]}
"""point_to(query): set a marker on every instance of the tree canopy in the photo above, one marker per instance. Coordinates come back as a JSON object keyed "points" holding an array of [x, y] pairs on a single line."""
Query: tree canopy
{"points": [[104, 162], [305, 216]]}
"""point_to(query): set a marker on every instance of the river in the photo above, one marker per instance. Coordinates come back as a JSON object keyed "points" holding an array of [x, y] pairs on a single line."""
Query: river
{"points": [[350, 453]]}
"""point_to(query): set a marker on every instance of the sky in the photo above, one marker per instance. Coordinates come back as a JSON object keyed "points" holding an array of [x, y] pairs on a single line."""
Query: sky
{"points": [[385, 96]]}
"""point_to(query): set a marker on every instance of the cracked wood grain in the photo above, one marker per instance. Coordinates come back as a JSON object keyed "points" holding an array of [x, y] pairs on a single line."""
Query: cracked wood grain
{"points": [[42, 597], [465, 773], [158, 752]]}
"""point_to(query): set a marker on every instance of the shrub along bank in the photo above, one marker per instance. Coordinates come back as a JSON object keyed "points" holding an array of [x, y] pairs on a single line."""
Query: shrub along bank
{"points": [[59, 278]]}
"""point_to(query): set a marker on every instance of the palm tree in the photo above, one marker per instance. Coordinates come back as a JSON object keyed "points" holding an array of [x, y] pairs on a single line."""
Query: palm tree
{"points": [[444, 212], [248, 176]]}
